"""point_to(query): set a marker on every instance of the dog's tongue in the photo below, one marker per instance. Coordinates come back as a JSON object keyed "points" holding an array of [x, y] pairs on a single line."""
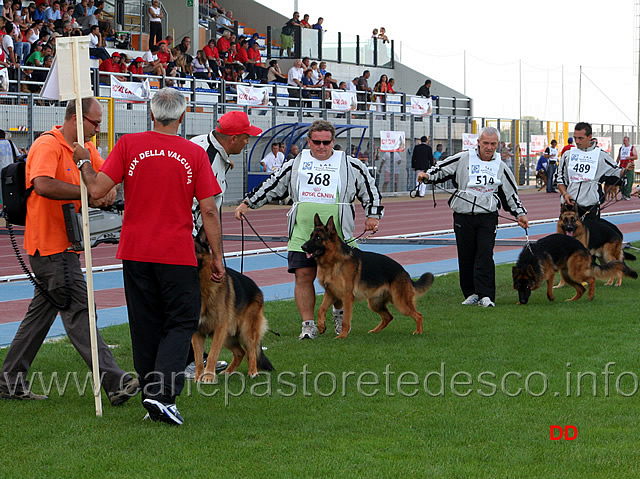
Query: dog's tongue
{"points": [[309, 255], [569, 233]]}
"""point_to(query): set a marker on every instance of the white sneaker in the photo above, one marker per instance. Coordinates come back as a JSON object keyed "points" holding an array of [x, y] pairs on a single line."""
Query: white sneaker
{"points": [[486, 303], [473, 299], [163, 412], [337, 319], [309, 332], [190, 371]]}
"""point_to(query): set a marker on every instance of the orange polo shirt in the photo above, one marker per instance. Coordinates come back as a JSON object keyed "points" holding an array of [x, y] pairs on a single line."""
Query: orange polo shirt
{"points": [[51, 156]]}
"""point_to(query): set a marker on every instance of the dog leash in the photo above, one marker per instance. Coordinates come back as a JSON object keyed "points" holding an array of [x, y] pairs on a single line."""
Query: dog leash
{"points": [[259, 237]]}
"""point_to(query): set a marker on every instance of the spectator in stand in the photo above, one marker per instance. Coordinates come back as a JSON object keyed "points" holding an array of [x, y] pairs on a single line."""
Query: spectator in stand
{"points": [[286, 37], [106, 27], [184, 47], [318, 25], [180, 61], [8, 46], [124, 64], [200, 66], [254, 39], [91, 7], [137, 68], [322, 68], [169, 40], [80, 11], [383, 35], [381, 88], [164, 55], [33, 34], [111, 65], [438, 153], [95, 44], [363, 86], [306, 63], [254, 64], [274, 74], [329, 82], [155, 22], [224, 45], [374, 33], [294, 79], [36, 57], [342, 86], [353, 85], [213, 57], [27, 13], [242, 55], [41, 75], [225, 21], [390, 89], [316, 76], [304, 23], [51, 14], [273, 161], [425, 90], [21, 48], [39, 13], [232, 54], [293, 152], [152, 61]]}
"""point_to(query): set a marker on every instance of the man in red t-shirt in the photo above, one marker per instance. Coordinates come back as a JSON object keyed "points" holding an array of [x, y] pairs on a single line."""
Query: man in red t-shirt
{"points": [[567, 147], [164, 55], [111, 65], [254, 63], [242, 55], [224, 44], [212, 54], [162, 173]]}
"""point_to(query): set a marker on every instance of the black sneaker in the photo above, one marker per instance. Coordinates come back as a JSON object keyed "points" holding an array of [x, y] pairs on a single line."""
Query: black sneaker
{"points": [[130, 389], [159, 411]]}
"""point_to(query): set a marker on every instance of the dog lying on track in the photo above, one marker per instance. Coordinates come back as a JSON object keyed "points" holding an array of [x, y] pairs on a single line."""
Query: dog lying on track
{"points": [[348, 274], [602, 238], [232, 312], [541, 260]]}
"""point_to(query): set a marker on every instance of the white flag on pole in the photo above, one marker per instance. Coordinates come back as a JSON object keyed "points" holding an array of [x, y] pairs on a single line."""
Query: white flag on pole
{"points": [[421, 106]]}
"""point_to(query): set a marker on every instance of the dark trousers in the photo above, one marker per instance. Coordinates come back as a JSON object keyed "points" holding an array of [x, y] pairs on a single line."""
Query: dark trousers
{"points": [[155, 33], [590, 212], [551, 171], [163, 303], [475, 239], [50, 272]]}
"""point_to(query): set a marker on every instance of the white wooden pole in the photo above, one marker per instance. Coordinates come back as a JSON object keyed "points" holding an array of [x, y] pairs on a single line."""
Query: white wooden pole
{"points": [[87, 238]]}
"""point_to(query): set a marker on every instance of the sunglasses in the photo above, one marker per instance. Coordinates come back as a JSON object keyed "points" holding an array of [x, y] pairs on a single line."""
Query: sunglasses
{"points": [[321, 142], [94, 123]]}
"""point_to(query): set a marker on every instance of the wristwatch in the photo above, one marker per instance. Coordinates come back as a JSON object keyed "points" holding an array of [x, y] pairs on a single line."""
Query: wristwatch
{"points": [[246, 202], [82, 162]]}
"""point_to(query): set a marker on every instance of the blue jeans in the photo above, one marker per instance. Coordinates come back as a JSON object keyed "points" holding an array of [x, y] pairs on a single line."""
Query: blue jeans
{"points": [[551, 171]]}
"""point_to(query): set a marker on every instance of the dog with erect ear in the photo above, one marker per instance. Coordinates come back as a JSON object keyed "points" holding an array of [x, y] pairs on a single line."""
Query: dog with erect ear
{"points": [[540, 261], [349, 274], [232, 312], [603, 239]]}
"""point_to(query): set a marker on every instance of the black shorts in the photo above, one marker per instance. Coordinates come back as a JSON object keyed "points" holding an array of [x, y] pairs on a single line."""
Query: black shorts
{"points": [[298, 259]]}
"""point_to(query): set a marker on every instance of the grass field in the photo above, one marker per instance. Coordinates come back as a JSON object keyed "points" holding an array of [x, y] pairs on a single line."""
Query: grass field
{"points": [[474, 396]]}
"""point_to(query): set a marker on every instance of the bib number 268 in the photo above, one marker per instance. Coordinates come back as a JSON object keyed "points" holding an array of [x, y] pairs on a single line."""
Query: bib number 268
{"points": [[319, 179]]}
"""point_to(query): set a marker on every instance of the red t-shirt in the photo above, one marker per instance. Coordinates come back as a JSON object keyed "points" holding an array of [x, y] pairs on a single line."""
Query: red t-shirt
{"points": [[164, 57], [566, 148], [223, 44], [241, 55], [109, 66], [162, 174], [211, 52], [136, 70], [255, 55]]}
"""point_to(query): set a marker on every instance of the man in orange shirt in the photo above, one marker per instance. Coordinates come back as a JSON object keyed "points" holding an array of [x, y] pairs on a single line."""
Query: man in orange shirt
{"points": [[52, 171]]}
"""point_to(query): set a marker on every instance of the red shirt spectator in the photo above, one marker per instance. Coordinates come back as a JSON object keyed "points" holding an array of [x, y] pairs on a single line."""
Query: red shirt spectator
{"points": [[242, 54], [136, 66], [163, 54], [254, 54], [224, 43], [112, 64], [211, 52]]}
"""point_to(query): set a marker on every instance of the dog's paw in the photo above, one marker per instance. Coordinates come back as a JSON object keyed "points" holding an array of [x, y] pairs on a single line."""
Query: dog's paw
{"points": [[208, 378]]}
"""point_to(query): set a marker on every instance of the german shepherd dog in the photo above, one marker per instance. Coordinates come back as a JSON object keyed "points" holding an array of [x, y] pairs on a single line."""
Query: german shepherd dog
{"points": [[348, 274], [231, 312], [541, 260], [602, 238]]}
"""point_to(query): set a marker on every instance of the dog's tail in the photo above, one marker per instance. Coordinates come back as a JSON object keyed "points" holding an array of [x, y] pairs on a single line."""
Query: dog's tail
{"points": [[613, 269], [629, 256], [263, 362], [423, 284]]}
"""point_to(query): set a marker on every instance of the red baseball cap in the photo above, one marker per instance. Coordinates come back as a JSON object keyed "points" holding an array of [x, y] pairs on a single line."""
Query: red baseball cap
{"points": [[115, 54], [138, 60], [236, 123]]}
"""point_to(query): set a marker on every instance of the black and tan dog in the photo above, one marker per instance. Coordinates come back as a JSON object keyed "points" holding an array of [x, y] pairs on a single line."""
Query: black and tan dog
{"points": [[232, 312], [541, 260], [602, 238], [348, 274]]}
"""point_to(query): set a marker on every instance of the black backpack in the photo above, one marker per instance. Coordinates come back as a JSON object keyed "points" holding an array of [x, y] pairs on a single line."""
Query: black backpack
{"points": [[15, 193]]}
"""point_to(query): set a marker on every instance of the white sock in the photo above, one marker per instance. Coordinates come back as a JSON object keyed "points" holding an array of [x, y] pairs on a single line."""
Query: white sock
{"points": [[308, 323]]}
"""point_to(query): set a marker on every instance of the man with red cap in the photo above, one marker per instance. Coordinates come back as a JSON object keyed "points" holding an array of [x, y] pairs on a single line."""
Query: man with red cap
{"points": [[111, 65], [162, 173]]}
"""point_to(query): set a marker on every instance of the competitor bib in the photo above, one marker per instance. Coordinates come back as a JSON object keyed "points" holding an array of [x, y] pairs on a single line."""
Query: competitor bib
{"points": [[583, 164], [625, 152], [318, 181], [483, 175]]}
